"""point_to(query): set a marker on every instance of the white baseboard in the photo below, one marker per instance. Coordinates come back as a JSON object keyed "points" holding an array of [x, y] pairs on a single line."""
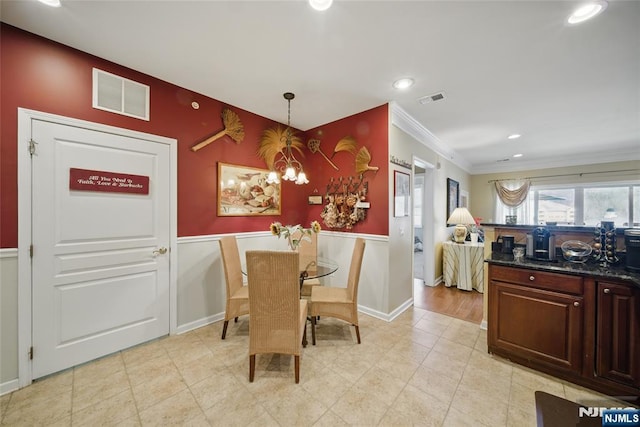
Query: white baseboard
{"points": [[384, 316], [181, 329], [401, 309], [436, 283], [9, 386], [483, 325]]}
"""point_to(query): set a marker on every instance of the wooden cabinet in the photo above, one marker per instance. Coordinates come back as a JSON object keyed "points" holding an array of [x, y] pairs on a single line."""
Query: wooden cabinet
{"points": [[536, 316], [577, 327], [618, 333]]}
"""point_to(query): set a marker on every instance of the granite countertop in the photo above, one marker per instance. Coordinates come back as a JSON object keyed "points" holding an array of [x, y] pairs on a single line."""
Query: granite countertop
{"points": [[589, 268], [553, 228]]}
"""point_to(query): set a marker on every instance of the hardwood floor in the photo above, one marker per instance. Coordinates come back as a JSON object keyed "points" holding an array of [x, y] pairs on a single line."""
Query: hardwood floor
{"points": [[465, 305]]}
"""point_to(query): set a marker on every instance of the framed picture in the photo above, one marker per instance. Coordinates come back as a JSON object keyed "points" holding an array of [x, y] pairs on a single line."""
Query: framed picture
{"points": [[464, 199], [453, 193], [244, 191], [401, 194], [315, 199]]}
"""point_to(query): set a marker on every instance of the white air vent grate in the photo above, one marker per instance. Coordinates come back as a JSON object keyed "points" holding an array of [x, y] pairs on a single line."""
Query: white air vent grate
{"points": [[431, 98], [119, 95]]}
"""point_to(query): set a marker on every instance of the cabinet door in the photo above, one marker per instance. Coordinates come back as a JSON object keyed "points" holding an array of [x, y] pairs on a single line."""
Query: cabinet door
{"points": [[618, 327], [536, 324]]}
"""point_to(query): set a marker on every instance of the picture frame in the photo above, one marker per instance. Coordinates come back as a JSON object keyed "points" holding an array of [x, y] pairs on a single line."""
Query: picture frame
{"points": [[453, 196], [315, 199], [464, 199], [401, 194], [244, 191]]}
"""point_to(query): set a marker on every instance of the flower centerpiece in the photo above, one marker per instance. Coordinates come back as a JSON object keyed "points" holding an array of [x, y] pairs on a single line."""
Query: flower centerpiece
{"points": [[290, 232], [475, 231]]}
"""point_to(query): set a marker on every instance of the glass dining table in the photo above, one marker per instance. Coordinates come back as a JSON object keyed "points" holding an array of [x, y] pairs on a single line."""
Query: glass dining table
{"points": [[313, 269], [317, 268]]}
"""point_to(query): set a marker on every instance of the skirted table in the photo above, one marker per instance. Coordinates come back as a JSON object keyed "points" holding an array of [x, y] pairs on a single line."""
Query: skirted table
{"points": [[463, 265]]}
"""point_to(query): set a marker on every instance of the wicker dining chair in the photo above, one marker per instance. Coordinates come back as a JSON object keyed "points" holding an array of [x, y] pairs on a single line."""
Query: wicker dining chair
{"points": [[237, 294], [339, 302], [278, 316], [308, 251]]}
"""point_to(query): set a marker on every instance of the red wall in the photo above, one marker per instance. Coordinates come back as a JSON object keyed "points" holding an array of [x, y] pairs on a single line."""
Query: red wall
{"points": [[370, 129], [38, 74]]}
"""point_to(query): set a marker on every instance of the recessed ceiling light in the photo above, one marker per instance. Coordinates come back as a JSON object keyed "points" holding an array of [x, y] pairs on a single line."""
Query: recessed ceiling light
{"points": [[320, 4], [514, 136], [517, 155], [587, 11], [52, 3], [403, 83]]}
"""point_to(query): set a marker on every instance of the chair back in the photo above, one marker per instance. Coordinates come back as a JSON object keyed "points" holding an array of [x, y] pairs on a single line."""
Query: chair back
{"points": [[231, 263], [308, 251], [274, 302], [354, 269]]}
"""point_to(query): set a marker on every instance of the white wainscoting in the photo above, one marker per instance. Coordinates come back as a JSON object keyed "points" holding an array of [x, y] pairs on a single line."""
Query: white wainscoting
{"points": [[201, 285], [8, 320]]}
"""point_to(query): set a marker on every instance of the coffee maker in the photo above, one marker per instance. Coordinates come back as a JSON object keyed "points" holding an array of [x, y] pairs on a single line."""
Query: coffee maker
{"points": [[541, 244], [632, 244]]}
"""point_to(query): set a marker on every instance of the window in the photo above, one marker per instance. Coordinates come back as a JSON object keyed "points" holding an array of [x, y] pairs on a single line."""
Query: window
{"points": [[580, 205], [610, 203], [636, 205], [557, 205], [522, 213]]}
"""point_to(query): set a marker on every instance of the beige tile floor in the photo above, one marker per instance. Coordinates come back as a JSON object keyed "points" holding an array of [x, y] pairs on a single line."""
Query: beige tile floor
{"points": [[423, 368]]}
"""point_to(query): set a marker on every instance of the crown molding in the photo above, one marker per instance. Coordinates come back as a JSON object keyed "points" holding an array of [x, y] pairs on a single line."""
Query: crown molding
{"points": [[556, 162], [408, 124]]}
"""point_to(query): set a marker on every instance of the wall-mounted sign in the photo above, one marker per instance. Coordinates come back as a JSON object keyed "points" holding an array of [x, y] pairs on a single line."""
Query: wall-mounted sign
{"points": [[110, 182], [400, 162]]}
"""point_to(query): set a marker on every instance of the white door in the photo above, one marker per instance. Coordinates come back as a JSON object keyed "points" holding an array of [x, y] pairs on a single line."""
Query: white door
{"points": [[100, 227]]}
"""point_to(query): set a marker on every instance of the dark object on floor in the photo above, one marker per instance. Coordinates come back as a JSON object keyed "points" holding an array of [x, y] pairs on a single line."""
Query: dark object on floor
{"points": [[554, 411]]}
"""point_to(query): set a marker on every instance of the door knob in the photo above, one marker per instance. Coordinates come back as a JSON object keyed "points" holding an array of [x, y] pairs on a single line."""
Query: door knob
{"points": [[160, 251]]}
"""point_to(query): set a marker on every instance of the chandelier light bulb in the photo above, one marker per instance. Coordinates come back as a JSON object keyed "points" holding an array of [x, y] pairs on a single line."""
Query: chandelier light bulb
{"points": [[290, 174], [285, 163], [302, 178], [272, 178]]}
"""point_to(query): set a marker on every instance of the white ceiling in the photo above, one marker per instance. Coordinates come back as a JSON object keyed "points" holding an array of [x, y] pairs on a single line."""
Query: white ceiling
{"points": [[573, 92]]}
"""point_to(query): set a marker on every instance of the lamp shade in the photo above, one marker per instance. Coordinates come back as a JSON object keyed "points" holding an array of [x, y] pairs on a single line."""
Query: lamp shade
{"points": [[461, 216]]}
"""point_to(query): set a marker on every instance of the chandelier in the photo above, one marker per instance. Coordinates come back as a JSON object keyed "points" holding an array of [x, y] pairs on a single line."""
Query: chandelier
{"points": [[286, 163]]}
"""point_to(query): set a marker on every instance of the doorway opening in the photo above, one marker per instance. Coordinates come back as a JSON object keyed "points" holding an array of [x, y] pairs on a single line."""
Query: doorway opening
{"points": [[422, 220]]}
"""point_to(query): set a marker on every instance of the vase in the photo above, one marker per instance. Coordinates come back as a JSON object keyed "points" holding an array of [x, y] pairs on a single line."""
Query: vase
{"points": [[293, 244]]}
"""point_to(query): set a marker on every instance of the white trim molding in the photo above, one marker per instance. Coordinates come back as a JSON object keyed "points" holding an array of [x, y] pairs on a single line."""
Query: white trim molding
{"points": [[408, 124], [25, 118], [9, 253]]}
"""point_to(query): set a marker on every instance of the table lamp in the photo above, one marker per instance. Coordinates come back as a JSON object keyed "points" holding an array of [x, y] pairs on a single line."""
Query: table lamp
{"points": [[461, 217]]}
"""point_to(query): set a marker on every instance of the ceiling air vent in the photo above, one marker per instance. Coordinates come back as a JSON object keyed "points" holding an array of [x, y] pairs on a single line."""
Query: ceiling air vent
{"points": [[431, 98], [119, 95]]}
